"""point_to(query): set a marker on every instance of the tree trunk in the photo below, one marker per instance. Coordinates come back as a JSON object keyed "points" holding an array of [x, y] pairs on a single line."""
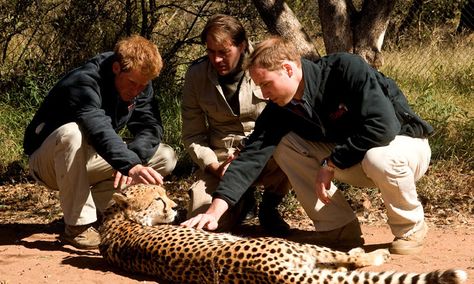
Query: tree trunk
{"points": [[335, 16], [466, 23], [145, 25], [128, 18], [369, 30], [280, 20], [361, 32]]}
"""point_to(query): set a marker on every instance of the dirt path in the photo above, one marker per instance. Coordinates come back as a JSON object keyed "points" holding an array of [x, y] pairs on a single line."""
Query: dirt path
{"points": [[30, 253]]}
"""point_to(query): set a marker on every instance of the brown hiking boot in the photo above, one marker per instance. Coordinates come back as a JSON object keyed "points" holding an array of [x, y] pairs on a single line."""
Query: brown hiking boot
{"points": [[81, 237], [346, 237], [410, 244]]}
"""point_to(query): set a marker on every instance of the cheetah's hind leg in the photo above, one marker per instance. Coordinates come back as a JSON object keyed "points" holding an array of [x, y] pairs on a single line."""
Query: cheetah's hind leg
{"points": [[333, 259]]}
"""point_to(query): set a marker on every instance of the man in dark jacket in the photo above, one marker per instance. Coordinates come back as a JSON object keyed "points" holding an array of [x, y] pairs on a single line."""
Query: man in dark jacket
{"points": [[333, 118], [73, 142]]}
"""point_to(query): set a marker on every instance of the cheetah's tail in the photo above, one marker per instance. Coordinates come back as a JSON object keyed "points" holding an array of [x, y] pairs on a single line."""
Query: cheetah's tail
{"points": [[451, 276]]}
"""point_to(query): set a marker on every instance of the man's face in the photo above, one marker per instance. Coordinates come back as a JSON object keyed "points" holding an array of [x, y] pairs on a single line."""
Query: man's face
{"points": [[129, 84], [277, 85], [224, 56]]}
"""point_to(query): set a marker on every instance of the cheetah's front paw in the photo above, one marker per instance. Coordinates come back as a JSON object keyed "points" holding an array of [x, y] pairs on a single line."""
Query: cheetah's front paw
{"points": [[379, 256]]}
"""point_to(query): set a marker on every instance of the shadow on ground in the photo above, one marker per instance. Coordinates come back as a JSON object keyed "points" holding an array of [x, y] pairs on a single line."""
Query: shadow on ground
{"points": [[303, 236], [45, 237], [13, 233]]}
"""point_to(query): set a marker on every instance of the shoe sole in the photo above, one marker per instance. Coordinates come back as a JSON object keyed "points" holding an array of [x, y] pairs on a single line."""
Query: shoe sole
{"points": [[406, 251], [66, 241]]}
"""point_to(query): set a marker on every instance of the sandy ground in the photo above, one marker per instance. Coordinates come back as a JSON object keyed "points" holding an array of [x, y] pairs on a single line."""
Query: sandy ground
{"points": [[31, 253]]}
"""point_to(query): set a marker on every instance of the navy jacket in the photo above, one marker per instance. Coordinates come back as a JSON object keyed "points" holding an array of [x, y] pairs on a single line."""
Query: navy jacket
{"points": [[87, 96], [346, 102]]}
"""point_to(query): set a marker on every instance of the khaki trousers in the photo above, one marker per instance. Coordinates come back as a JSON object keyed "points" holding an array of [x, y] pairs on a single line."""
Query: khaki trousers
{"points": [[65, 162], [393, 169], [272, 179]]}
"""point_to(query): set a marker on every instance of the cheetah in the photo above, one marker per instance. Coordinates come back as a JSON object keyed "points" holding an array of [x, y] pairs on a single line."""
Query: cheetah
{"points": [[136, 235]]}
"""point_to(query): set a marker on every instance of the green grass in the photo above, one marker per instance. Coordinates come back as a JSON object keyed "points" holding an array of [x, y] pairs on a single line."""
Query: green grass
{"points": [[13, 163], [170, 108], [11, 125]]}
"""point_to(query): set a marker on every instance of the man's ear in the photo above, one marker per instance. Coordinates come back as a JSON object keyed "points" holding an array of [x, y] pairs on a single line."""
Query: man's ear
{"points": [[116, 68], [288, 68], [242, 46]]}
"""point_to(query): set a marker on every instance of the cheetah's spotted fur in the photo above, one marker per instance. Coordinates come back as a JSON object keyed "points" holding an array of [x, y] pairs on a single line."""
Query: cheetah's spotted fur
{"points": [[134, 237]]}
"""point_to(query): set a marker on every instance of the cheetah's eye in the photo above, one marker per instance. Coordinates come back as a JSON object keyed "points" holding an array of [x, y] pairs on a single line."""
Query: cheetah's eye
{"points": [[164, 203], [161, 199]]}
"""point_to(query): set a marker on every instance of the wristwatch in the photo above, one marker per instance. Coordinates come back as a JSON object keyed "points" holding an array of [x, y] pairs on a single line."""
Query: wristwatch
{"points": [[325, 164]]}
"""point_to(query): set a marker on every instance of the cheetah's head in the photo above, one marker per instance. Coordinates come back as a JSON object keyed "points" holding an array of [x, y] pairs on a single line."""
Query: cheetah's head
{"points": [[147, 205]]}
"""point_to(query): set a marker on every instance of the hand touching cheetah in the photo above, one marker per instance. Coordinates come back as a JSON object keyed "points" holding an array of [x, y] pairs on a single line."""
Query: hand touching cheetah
{"points": [[135, 236]]}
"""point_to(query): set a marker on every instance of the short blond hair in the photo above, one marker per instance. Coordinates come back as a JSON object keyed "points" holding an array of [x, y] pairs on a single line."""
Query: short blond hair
{"points": [[138, 53], [270, 54]]}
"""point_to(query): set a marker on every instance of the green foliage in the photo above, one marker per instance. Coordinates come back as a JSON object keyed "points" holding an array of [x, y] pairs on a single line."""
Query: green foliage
{"points": [[26, 89], [12, 162], [170, 107], [436, 12]]}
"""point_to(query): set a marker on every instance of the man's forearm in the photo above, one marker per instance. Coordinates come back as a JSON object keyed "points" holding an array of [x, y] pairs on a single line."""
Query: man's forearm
{"points": [[217, 208]]}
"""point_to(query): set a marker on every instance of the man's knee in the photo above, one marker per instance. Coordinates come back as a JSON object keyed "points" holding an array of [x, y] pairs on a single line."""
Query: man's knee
{"points": [[200, 198], [69, 135], [168, 159], [381, 161]]}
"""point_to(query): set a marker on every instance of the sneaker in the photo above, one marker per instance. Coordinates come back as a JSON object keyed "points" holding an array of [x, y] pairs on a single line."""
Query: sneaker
{"points": [[346, 237], [81, 237], [410, 244]]}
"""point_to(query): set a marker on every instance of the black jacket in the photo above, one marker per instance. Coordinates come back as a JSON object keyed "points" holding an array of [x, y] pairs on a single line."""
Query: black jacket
{"points": [[87, 96], [346, 102]]}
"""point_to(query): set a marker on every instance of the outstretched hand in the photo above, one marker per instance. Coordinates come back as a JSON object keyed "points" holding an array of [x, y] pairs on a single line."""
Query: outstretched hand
{"points": [[206, 221], [138, 174], [121, 180]]}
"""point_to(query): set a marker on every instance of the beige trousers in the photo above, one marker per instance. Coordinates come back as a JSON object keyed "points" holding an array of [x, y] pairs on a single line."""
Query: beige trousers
{"points": [[66, 162], [393, 169], [272, 179]]}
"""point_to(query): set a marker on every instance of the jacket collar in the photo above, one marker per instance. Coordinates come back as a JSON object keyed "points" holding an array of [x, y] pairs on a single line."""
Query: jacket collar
{"points": [[213, 77], [312, 76]]}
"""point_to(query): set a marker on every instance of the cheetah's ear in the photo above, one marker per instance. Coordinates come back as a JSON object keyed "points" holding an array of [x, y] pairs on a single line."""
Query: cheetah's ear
{"points": [[121, 200]]}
